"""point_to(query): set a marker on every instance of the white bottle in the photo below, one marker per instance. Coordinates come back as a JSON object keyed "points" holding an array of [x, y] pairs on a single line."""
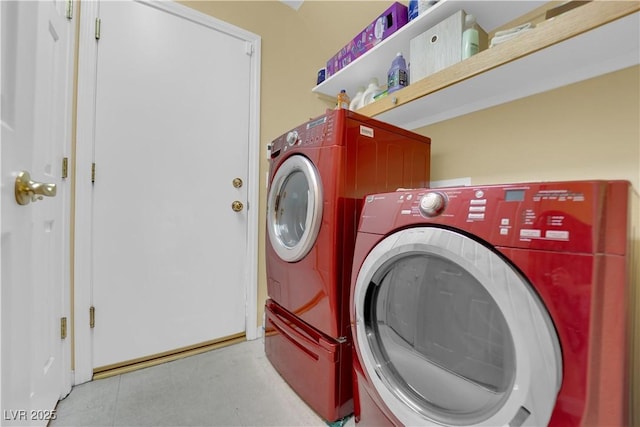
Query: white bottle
{"points": [[356, 99], [470, 37], [372, 90]]}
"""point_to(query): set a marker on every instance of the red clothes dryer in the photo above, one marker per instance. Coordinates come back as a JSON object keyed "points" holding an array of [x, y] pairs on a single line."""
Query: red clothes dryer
{"points": [[319, 174], [494, 305]]}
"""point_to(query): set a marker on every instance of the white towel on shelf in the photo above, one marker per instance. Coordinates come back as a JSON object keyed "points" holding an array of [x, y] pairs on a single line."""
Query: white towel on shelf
{"points": [[504, 35]]}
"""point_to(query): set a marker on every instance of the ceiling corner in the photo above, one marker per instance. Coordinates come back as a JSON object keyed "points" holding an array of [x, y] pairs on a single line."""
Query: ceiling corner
{"points": [[294, 4]]}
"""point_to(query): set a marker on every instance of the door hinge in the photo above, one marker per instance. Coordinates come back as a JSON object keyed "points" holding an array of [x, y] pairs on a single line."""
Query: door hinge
{"points": [[92, 317], [63, 328], [98, 22], [248, 48], [93, 173], [69, 11], [65, 167]]}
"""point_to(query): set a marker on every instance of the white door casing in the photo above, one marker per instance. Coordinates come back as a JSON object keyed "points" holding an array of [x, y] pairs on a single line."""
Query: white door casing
{"points": [[37, 76], [167, 141], [537, 368]]}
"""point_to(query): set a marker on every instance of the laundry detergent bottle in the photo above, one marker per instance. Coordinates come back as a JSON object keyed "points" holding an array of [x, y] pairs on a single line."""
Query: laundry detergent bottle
{"points": [[343, 100], [372, 90], [355, 101], [398, 75], [470, 37]]}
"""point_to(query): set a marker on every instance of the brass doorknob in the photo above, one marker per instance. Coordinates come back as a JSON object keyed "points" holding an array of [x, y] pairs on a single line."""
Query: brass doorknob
{"points": [[237, 182], [237, 206], [27, 191]]}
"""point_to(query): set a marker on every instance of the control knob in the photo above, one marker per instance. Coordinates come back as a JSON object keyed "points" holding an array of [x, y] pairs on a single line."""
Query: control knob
{"points": [[432, 204], [292, 137]]}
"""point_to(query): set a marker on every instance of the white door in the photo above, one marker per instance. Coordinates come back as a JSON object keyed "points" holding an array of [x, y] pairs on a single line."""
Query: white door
{"points": [[172, 130], [37, 59]]}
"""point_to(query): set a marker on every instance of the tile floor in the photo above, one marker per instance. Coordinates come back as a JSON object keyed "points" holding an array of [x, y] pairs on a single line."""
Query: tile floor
{"points": [[231, 386]]}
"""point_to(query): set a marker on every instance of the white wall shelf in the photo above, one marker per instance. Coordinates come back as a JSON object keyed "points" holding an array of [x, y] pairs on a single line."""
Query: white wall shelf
{"points": [[591, 40], [376, 62]]}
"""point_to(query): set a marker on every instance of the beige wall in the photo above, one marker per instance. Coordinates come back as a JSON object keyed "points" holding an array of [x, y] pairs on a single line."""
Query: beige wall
{"points": [[587, 130], [295, 45]]}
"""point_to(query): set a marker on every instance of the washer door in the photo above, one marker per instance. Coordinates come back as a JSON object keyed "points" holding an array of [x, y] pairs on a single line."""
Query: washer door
{"points": [[450, 334], [294, 208]]}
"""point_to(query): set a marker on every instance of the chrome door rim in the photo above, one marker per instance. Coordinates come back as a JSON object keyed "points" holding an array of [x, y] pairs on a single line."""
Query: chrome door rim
{"points": [[296, 163]]}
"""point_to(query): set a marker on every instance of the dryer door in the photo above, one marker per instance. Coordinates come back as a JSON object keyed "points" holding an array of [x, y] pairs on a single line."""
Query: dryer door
{"points": [[450, 334], [294, 208]]}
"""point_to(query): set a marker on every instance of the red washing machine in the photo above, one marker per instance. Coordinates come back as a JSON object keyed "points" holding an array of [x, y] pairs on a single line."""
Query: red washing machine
{"points": [[319, 174], [494, 305]]}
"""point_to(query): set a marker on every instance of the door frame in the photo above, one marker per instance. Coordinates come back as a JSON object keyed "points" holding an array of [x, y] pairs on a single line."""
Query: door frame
{"points": [[84, 157]]}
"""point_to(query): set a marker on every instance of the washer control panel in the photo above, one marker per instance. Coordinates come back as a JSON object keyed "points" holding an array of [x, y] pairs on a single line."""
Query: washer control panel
{"points": [[315, 132]]}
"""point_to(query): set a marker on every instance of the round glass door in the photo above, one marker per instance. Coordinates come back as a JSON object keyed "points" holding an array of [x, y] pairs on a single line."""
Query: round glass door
{"points": [[294, 208], [450, 334]]}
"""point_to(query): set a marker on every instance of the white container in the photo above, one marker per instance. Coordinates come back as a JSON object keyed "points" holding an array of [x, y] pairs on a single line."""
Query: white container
{"points": [[355, 101], [440, 46], [470, 37], [372, 90]]}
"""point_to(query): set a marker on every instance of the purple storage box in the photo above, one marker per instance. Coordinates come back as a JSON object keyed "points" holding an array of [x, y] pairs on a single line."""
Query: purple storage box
{"points": [[394, 18]]}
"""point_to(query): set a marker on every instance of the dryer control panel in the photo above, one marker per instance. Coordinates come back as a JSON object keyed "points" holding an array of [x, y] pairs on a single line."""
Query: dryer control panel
{"points": [[567, 216]]}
